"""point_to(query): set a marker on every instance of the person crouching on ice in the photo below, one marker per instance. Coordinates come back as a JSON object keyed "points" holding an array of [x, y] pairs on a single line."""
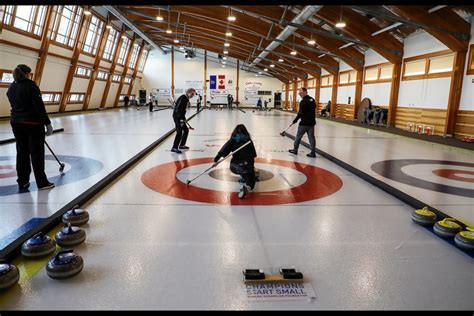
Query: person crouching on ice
{"points": [[242, 162]]}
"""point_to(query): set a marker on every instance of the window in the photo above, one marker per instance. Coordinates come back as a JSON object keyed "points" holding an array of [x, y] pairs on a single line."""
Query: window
{"points": [[94, 32], [116, 78], [141, 64], [348, 77], [127, 80], [371, 74], [76, 97], [470, 63], [386, 72], [123, 51], [133, 58], [66, 24], [343, 77], [111, 44], [416, 67], [353, 76], [432, 65], [51, 98], [6, 77], [441, 64], [102, 75], [28, 18], [326, 81], [132, 97], [83, 72]]}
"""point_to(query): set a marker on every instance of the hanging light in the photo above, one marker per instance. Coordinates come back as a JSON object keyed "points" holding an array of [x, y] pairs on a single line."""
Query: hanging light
{"points": [[266, 69], [176, 40], [226, 44], [272, 65], [181, 48], [260, 72], [293, 53], [223, 66], [159, 17], [169, 31], [224, 62], [281, 60], [311, 42], [231, 18], [341, 23], [226, 52], [228, 34], [225, 58]]}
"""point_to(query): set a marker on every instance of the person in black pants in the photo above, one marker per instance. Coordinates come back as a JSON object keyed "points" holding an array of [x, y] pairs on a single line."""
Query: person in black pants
{"points": [[126, 99], [242, 162], [179, 117], [198, 103], [307, 114], [28, 119]]}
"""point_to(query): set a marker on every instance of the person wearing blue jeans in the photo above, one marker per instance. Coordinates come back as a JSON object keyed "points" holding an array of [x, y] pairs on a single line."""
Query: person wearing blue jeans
{"points": [[307, 114]]}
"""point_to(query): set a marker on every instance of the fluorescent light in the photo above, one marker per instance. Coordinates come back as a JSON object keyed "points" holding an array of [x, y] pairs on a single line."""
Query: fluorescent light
{"points": [[340, 24], [176, 41], [272, 65], [223, 66], [322, 55], [169, 31], [231, 18], [228, 34], [281, 60], [225, 58], [266, 69], [226, 44], [311, 42], [346, 45], [224, 62], [256, 75], [293, 53], [260, 72], [181, 48], [226, 52], [159, 18]]}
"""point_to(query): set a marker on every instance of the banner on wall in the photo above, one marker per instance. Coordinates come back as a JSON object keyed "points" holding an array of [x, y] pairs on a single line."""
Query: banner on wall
{"points": [[252, 85], [163, 91], [221, 82], [193, 84]]}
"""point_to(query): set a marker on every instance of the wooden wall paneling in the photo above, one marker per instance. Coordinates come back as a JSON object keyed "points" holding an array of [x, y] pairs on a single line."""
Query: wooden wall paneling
{"points": [[394, 90], [455, 91], [135, 71], [358, 93], [125, 70], [43, 54], [335, 81], [112, 70]]}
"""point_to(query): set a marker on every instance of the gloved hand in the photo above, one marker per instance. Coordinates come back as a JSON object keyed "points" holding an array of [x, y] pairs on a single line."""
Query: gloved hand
{"points": [[294, 121], [216, 158], [49, 130], [214, 164], [181, 123]]}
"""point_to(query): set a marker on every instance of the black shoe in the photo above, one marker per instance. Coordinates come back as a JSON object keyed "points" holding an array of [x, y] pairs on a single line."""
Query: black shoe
{"points": [[311, 155], [183, 147], [23, 187], [175, 150], [292, 151], [46, 187]]}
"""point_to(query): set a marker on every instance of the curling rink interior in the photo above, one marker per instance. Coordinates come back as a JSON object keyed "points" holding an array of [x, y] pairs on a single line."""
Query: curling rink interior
{"points": [[155, 243]]}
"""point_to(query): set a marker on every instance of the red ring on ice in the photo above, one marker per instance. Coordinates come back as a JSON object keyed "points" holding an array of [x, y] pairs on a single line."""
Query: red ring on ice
{"points": [[453, 174], [10, 174], [319, 183]]}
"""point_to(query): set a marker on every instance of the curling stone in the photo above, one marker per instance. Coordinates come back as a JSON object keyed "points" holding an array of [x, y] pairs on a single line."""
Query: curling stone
{"points": [[76, 217], [70, 236], [447, 228], [37, 246], [424, 216], [465, 239], [9, 275], [64, 265]]}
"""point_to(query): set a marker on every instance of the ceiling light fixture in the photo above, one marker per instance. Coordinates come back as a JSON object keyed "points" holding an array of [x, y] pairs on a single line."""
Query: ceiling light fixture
{"points": [[159, 17], [266, 69], [293, 53], [225, 58], [311, 42], [176, 41], [228, 34], [272, 65], [281, 60], [169, 31], [341, 23], [226, 44], [226, 52]]}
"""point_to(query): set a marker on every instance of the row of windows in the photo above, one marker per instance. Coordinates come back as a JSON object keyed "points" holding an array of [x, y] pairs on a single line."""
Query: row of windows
{"points": [[67, 19]]}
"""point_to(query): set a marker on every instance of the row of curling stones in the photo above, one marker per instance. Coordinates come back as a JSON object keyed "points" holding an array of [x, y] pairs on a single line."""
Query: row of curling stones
{"points": [[446, 228], [66, 263]]}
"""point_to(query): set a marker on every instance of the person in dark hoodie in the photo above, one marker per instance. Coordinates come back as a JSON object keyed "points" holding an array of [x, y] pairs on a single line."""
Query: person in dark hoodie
{"points": [[28, 121], [242, 162], [307, 114], [179, 117]]}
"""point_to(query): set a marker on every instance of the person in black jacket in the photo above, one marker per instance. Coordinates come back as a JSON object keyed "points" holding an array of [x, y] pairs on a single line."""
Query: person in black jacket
{"points": [[307, 114], [28, 119], [242, 162], [179, 117]]}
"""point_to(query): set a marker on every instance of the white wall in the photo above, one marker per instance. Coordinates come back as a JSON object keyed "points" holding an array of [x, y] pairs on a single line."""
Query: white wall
{"points": [[343, 94], [157, 74], [378, 93], [426, 93], [325, 94], [467, 96], [97, 93]]}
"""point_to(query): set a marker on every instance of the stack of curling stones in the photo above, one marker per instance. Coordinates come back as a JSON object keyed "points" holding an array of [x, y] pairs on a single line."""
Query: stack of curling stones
{"points": [[9, 275], [447, 228]]}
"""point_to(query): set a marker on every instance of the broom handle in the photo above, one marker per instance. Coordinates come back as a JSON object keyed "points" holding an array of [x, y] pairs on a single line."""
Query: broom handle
{"points": [[189, 181]]}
